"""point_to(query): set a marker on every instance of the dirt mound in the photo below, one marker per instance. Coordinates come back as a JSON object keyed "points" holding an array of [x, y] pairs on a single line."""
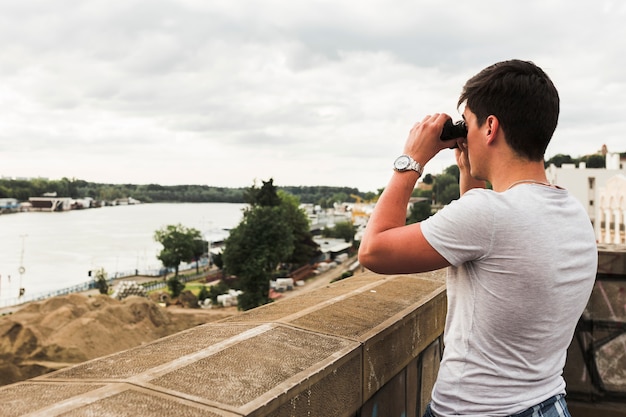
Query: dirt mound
{"points": [[62, 331]]}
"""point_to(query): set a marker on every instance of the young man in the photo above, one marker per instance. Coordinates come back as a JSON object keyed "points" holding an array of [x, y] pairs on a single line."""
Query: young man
{"points": [[522, 257]]}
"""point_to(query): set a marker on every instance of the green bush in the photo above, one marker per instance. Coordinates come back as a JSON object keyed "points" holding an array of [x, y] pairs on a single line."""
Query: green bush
{"points": [[345, 275], [203, 294], [218, 289], [175, 286], [101, 281]]}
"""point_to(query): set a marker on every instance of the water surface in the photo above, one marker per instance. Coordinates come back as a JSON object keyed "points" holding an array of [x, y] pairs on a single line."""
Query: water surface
{"points": [[57, 250]]}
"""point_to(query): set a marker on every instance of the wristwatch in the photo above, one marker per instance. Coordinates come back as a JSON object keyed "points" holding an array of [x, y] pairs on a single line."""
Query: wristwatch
{"points": [[406, 163]]}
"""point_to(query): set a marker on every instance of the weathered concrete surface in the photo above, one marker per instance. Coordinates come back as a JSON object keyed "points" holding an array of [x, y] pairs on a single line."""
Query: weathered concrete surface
{"points": [[606, 409], [323, 353], [612, 259], [381, 315], [409, 391], [595, 371]]}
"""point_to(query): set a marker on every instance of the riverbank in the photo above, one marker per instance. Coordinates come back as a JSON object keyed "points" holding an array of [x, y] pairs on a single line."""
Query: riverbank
{"points": [[4, 310], [311, 283]]}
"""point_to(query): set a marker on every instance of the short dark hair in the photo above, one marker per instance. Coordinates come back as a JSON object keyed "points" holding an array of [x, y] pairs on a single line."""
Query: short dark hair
{"points": [[522, 97]]}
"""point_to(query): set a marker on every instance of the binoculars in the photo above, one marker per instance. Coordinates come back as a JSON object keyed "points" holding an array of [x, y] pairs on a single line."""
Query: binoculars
{"points": [[454, 130]]}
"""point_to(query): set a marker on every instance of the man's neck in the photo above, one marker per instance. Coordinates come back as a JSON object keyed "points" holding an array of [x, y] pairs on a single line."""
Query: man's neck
{"points": [[516, 170]]}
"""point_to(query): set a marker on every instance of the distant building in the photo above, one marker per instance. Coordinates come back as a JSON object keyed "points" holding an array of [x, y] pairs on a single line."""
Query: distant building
{"points": [[50, 203], [125, 201], [8, 205], [331, 248], [585, 185], [81, 203]]}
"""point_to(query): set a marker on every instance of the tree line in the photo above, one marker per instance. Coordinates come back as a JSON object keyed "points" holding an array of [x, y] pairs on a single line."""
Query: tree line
{"points": [[23, 189], [591, 161], [325, 196], [444, 189]]}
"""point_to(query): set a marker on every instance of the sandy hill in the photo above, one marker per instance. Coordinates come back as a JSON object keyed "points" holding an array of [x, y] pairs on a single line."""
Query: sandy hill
{"points": [[62, 331]]}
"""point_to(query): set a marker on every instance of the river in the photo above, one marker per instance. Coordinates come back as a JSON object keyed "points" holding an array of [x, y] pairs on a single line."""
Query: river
{"points": [[57, 250]]}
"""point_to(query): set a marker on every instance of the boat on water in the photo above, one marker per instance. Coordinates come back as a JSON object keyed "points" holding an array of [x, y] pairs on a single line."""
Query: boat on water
{"points": [[9, 205]]}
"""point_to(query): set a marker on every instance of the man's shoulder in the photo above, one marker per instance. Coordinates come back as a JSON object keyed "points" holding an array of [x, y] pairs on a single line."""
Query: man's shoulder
{"points": [[478, 197], [472, 206]]}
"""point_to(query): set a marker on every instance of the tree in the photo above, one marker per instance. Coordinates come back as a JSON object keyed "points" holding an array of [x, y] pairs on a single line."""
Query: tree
{"points": [[253, 251], [266, 196], [218, 260], [203, 294], [273, 230], [451, 192], [179, 245], [442, 182], [370, 196], [419, 211], [339, 198], [342, 230], [559, 159], [454, 171], [304, 247], [594, 161], [101, 281], [175, 286], [199, 248]]}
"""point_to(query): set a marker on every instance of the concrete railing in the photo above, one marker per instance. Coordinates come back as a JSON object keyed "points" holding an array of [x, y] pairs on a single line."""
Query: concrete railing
{"points": [[356, 347], [369, 345], [596, 361]]}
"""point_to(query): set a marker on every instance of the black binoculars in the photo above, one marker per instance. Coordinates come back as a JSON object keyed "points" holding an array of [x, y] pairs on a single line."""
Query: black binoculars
{"points": [[454, 130]]}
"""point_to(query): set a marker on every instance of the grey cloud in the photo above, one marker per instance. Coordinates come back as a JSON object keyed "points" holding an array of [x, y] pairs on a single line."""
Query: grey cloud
{"points": [[302, 81]]}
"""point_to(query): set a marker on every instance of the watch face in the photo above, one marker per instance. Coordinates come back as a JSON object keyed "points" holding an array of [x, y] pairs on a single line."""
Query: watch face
{"points": [[401, 163]]}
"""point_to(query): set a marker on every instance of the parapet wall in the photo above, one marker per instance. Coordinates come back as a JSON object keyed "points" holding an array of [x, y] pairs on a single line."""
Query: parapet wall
{"points": [[595, 371], [369, 345], [362, 344]]}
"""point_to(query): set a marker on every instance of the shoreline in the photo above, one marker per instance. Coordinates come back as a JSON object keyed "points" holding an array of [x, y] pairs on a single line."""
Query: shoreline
{"points": [[311, 283]]}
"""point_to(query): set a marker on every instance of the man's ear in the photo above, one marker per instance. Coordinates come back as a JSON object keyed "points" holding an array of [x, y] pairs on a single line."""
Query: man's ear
{"points": [[492, 125]]}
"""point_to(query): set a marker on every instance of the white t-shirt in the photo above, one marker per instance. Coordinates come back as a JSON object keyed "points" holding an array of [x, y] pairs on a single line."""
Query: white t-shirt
{"points": [[524, 264]]}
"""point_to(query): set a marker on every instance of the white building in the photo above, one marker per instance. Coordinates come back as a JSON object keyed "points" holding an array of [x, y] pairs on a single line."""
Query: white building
{"points": [[611, 211], [588, 184]]}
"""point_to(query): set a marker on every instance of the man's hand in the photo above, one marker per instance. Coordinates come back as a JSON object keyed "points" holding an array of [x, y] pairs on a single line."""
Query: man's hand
{"points": [[466, 181], [462, 159], [423, 142]]}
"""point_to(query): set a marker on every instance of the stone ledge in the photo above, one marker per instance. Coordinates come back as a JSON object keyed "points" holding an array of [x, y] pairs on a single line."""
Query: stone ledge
{"points": [[321, 353], [612, 260]]}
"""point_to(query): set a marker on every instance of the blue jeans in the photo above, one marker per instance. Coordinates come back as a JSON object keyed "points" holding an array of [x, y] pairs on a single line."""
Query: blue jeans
{"points": [[552, 407]]}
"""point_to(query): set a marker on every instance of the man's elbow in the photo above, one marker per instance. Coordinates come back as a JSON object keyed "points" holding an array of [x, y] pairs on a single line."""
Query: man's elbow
{"points": [[363, 257], [369, 259]]}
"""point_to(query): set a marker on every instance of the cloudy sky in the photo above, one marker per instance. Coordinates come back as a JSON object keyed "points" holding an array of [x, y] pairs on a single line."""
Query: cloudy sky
{"points": [[226, 92]]}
